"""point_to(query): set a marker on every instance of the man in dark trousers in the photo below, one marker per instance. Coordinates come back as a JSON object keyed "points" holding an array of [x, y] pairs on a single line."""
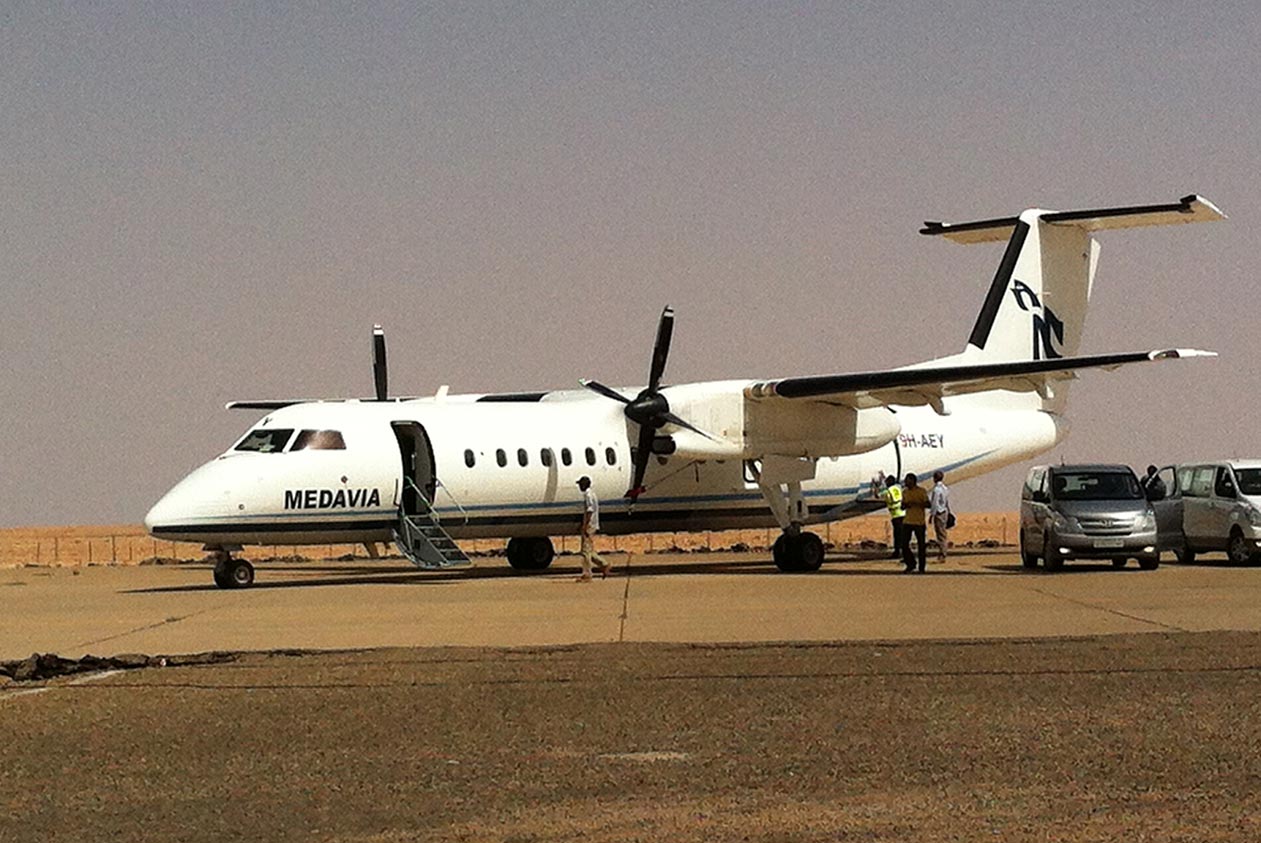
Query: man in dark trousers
{"points": [[915, 525]]}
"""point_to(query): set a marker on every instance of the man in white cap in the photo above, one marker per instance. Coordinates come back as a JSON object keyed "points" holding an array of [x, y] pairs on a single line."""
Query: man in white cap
{"points": [[590, 526]]}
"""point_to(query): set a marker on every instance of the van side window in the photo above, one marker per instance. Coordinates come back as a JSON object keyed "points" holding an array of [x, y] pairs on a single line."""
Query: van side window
{"points": [[1184, 479], [1201, 482], [1170, 480], [469, 459], [501, 457], [1225, 486]]}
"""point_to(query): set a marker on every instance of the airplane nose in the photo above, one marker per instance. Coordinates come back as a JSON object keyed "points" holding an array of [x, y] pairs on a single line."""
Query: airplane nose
{"points": [[198, 495], [159, 514]]}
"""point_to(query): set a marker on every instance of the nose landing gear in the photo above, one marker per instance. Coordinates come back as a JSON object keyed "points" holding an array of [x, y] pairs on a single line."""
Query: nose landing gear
{"points": [[230, 572]]}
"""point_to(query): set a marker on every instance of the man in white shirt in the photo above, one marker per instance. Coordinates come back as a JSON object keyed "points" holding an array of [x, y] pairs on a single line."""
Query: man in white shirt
{"points": [[590, 526], [939, 507]]}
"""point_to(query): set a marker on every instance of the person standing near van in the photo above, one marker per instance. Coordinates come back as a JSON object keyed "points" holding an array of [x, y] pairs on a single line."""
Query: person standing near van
{"points": [[914, 525], [1153, 486], [939, 506], [892, 497]]}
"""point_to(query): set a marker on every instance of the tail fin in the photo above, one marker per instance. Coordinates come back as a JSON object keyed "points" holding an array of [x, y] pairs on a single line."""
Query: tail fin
{"points": [[1036, 305]]}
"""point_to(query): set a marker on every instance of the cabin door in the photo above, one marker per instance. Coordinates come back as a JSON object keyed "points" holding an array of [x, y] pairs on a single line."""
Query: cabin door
{"points": [[416, 454]]}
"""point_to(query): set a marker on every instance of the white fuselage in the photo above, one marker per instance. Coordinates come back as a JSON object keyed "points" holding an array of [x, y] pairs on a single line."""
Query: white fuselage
{"points": [[316, 496]]}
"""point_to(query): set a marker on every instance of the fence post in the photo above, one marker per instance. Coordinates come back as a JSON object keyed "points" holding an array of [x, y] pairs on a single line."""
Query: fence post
{"points": [[56, 551], [113, 548]]}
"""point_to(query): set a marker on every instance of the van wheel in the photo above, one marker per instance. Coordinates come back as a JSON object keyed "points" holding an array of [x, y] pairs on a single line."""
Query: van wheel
{"points": [[1027, 558], [1149, 563], [1238, 548], [1119, 562]]}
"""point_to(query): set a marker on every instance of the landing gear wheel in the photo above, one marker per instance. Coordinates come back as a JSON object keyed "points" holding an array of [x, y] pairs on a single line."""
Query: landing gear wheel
{"points": [[531, 553], [240, 574], [1051, 560], [802, 552], [1119, 562], [1239, 549], [1027, 558], [221, 578]]}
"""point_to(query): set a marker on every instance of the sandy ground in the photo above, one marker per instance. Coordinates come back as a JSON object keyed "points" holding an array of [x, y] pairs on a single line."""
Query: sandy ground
{"points": [[1083, 706]]}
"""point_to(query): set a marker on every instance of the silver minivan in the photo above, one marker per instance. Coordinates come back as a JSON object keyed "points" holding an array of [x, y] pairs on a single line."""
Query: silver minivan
{"points": [[1211, 507], [1087, 511]]}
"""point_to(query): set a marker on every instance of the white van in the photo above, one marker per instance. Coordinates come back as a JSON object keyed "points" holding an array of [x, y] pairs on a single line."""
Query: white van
{"points": [[1211, 507]]}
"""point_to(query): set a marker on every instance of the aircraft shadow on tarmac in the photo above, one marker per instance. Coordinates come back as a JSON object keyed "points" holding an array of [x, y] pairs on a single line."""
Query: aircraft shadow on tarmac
{"points": [[566, 567]]}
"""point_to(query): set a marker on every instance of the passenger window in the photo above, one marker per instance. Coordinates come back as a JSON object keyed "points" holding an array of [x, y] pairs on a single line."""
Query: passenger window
{"points": [[1225, 487], [590, 456], [610, 456], [319, 440], [523, 459], [545, 456], [501, 457], [565, 457], [1184, 480], [469, 458], [1170, 480], [265, 441], [1201, 482]]}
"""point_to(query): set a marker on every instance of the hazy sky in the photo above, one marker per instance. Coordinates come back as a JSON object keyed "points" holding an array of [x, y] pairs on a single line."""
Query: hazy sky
{"points": [[206, 202]]}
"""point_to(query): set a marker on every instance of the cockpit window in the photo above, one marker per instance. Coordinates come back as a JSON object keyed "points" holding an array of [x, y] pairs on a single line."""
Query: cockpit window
{"points": [[319, 440], [265, 441]]}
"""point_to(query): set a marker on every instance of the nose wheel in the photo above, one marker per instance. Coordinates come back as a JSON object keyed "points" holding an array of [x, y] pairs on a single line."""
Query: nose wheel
{"points": [[232, 573]]}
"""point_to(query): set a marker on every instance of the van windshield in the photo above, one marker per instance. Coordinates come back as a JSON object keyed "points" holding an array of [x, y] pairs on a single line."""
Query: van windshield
{"points": [[1249, 481], [1096, 486]]}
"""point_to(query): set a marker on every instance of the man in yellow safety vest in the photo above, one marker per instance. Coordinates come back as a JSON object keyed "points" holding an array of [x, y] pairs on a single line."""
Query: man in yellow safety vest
{"points": [[892, 497]]}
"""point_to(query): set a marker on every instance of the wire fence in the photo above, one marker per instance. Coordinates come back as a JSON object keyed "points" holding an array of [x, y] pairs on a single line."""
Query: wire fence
{"points": [[77, 546]]}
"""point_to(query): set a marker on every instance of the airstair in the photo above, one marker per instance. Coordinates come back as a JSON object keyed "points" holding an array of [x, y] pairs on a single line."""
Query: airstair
{"points": [[420, 537]]}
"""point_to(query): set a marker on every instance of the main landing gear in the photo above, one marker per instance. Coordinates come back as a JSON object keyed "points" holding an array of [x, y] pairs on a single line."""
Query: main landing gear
{"points": [[530, 553], [779, 479], [231, 572], [798, 552]]}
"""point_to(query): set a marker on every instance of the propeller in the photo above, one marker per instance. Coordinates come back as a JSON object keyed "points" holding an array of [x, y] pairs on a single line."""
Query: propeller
{"points": [[379, 373], [650, 409]]}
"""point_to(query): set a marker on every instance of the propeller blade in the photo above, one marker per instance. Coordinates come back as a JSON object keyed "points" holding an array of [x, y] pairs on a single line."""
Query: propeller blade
{"points": [[379, 372], [596, 386], [661, 349], [643, 452], [675, 420]]}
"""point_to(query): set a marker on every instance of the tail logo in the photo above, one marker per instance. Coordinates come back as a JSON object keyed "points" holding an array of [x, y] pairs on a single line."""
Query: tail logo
{"points": [[1048, 329]]}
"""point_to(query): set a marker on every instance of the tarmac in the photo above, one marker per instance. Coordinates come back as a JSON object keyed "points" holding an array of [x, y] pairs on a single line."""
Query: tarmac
{"points": [[719, 597], [697, 697]]}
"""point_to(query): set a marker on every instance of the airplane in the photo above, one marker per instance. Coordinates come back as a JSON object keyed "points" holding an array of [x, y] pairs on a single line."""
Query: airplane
{"points": [[789, 453]]}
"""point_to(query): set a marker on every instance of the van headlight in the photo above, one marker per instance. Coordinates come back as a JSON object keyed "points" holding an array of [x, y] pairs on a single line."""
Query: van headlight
{"points": [[1254, 516], [1066, 524], [1145, 522]]}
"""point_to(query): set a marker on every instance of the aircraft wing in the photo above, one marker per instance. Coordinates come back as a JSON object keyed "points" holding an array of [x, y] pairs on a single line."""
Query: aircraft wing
{"points": [[929, 385]]}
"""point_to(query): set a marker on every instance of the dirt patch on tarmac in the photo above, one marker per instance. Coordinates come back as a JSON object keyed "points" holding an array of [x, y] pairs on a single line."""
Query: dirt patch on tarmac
{"points": [[1153, 737]]}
